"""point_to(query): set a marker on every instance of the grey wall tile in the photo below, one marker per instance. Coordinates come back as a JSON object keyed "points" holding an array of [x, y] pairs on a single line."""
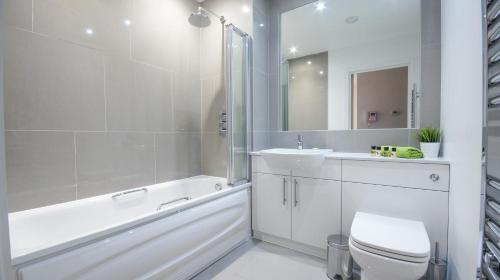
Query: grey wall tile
{"points": [[110, 162], [431, 22], [341, 141], [138, 96], [214, 154], [187, 102], [260, 41], [274, 103], [178, 155], [260, 102], [213, 99], [261, 6], [412, 138], [365, 138], [212, 52], [353, 141], [430, 101], [161, 35], [311, 139], [18, 13], [261, 140], [51, 85], [69, 20], [40, 168]]}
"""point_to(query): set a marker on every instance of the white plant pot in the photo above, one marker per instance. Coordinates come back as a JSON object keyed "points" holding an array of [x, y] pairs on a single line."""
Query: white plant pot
{"points": [[430, 150]]}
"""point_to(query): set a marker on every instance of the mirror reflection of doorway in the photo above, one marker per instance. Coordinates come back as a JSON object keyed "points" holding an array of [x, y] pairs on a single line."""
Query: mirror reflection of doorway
{"points": [[379, 99]]}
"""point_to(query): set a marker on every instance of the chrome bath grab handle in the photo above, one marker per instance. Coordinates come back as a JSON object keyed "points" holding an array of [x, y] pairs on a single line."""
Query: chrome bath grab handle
{"points": [[295, 201], [284, 190], [129, 192], [172, 201]]}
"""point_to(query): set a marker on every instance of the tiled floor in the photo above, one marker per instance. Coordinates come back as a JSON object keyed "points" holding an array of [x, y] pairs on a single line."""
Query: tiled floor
{"points": [[257, 260]]}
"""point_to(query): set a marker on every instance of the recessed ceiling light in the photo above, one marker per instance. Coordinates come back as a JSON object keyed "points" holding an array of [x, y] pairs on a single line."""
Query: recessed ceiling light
{"points": [[321, 72], [127, 22], [320, 6], [351, 19], [293, 77], [309, 62], [261, 25], [245, 9], [89, 31], [293, 50]]}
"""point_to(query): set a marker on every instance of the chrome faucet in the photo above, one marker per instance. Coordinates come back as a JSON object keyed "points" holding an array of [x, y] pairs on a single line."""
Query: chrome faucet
{"points": [[299, 142]]}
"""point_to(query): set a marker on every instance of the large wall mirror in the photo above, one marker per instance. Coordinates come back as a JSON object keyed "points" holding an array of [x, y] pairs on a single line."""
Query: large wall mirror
{"points": [[360, 64]]}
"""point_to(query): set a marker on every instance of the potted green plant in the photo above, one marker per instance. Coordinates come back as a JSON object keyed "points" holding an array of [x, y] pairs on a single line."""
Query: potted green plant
{"points": [[430, 141]]}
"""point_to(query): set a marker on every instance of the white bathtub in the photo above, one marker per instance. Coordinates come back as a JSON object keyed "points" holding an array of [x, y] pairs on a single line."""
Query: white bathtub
{"points": [[125, 236]]}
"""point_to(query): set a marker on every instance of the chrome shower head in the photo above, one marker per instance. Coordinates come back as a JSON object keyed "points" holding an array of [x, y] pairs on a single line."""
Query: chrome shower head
{"points": [[199, 18]]}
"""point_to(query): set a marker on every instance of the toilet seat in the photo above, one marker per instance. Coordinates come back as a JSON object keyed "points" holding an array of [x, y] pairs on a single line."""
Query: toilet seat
{"points": [[389, 254], [400, 239]]}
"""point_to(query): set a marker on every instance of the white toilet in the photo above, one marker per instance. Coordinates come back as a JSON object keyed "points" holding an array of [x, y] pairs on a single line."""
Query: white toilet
{"points": [[389, 248]]}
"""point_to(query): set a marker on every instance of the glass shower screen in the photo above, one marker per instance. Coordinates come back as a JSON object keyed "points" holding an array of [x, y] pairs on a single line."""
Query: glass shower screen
{"points": [[238, 84]]}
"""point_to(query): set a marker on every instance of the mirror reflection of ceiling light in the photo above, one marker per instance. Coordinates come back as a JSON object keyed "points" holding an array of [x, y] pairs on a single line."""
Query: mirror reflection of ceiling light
{"points": [[261, 25], [321, 72], [293, 50], [245, 9], [127, 22], [320, 6], [293, 77], [89, 31], [309, 62], [351, 19]]}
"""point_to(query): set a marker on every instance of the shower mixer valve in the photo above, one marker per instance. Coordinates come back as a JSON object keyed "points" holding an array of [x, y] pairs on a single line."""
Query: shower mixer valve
{"points": [[223, 123]]}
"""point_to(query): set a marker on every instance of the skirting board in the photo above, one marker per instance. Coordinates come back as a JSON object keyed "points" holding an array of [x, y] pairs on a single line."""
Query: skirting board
{"points": [[306, 249]]}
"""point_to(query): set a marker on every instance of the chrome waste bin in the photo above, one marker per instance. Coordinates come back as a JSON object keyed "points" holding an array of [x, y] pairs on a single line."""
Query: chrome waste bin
{"points": [[338, 260]]}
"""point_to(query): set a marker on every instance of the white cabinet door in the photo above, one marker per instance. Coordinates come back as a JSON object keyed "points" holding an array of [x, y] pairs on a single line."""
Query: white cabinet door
{"points": [[271, 204], [316, 207]]}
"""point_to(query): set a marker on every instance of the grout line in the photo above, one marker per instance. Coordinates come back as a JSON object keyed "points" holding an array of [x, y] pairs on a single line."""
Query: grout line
{"points": [[110, 131], [155, 152], [130, 8], [173, 86], [33, 15], [105, 100], [75, 165]]}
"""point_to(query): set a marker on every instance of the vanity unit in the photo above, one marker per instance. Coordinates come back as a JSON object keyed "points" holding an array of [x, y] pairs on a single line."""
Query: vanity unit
{"points": [[300, 204]]}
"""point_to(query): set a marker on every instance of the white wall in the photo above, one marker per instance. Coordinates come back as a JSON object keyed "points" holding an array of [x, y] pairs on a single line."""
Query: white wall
{"points": [[461, 120], [396, 51]]}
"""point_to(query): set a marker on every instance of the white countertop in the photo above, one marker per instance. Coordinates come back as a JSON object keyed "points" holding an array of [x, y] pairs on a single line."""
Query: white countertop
{"points": [[367, 156]]}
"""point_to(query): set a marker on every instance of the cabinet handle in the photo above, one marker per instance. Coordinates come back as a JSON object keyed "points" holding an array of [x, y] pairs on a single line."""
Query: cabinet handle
{"points": [[434, 177], [284, 190], [296, 201]]}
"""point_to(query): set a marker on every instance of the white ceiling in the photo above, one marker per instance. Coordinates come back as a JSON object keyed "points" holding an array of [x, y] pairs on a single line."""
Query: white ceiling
{"points": [[312, 31]]}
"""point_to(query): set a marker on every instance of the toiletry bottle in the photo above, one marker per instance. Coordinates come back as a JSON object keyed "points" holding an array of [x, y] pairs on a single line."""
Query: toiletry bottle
{"points": [[378, 151], [373, 151], [386, 152], [394, 154]]}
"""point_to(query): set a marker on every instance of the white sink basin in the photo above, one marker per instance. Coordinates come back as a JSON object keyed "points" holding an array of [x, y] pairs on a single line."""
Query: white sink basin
{"points": [[294, 158]]}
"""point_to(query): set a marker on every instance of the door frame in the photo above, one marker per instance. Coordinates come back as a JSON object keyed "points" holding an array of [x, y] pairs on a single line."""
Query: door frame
{"points": [[412, 82]]}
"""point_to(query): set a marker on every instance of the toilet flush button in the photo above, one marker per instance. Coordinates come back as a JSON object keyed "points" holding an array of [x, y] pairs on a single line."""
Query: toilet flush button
{"points": [[434, 177]]}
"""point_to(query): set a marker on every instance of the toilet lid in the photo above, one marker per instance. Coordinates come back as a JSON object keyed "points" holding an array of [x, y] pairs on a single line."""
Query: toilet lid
{"points": [[391, 236]]}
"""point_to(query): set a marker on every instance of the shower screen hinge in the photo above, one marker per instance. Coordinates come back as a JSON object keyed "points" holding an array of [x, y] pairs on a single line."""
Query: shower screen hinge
{"points": [[223, 123]]}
